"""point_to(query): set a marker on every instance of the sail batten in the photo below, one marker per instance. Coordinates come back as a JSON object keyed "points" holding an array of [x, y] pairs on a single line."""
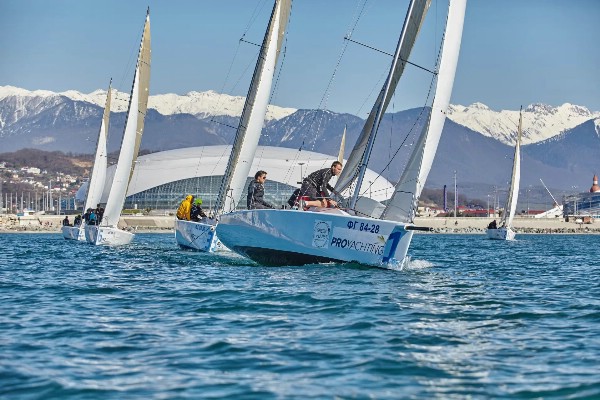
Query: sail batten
{"points": [[253, 114], [403, 204]]}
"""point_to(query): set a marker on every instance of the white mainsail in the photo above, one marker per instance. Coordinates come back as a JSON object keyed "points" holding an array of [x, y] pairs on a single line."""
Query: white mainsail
{"points": [[253, 114], [360, 153], [98, 176], [403, 204], [134, 128], [513, 194]]}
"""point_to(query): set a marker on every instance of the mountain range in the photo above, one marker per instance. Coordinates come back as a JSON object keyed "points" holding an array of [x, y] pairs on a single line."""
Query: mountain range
{"points": [[561, 144]]}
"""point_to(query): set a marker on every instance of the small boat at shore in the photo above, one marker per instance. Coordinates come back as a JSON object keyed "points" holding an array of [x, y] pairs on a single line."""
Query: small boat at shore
{"points": [[98, 176], [108, 232], [505, 231]]}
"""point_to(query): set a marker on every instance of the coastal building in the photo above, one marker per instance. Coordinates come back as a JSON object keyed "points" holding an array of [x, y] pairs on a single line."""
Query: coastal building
{"points": [[161, 180], [583, 204]]}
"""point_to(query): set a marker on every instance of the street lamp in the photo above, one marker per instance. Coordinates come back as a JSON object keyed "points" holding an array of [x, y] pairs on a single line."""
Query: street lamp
{"points": [[455, 195], [528, 190]]}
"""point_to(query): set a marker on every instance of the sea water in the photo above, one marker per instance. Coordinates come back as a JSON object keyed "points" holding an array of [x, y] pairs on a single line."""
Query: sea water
{"points": [[467, 318]]}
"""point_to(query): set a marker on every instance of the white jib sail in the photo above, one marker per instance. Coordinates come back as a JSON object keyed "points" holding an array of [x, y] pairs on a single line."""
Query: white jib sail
{"points": [[513, 194], [403, 204], [255, 109], [132, 136], [96, 182]]}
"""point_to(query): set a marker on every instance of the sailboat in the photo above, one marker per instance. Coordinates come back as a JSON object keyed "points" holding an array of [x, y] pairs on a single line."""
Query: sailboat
{"points": [[98, 176], [201, 236], [108, 232], [295, 237], [505, 231]]}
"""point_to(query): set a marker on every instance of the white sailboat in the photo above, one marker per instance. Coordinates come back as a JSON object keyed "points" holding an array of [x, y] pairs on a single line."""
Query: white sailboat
{"points": [[504, 231], [293, 237], [108, 232], [98, 176], [201, 236]]}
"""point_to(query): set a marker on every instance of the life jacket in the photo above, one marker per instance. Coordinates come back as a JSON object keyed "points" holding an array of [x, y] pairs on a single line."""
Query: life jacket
{"points": [[183, 212]]}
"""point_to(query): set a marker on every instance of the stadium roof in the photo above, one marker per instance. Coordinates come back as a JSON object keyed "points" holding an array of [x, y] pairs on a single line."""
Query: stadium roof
{"points": [[282, 165]]}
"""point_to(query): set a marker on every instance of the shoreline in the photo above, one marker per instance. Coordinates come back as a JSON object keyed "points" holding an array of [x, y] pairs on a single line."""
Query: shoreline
{"points": [[165, 225]]}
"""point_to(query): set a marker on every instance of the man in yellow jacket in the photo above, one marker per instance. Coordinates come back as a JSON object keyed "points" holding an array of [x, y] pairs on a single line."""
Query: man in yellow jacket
{"points": [[183, 212]]}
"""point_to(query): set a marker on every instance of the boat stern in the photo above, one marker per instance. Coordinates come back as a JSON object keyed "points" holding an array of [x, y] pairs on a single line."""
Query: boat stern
{"points": [[197, 236]]}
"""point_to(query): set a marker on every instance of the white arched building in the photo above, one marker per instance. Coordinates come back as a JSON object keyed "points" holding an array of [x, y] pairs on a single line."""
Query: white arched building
{"points": [[161, 180]]}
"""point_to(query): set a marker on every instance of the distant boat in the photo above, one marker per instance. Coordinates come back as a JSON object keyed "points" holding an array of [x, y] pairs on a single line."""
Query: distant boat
{"points": [[504, 231], [96, 182], [108, 232], [296, 237], [201, 236]]}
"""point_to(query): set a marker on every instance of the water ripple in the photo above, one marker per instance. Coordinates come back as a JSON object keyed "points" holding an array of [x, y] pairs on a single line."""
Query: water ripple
{"points": [[466, 318]]}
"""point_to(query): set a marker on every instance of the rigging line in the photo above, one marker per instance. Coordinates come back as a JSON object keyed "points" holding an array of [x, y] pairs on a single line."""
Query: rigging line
{"points": [[324, 98], [226, 79], [255, 14], [223, 123], [391, 55], [327, 92], [242, 40], [249, 42]]}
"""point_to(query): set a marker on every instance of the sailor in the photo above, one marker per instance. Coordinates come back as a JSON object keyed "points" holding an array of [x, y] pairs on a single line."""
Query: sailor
{"points": [[66, 221], [184, 210], [92, 220], [196, 212], [316, 185], [493, 225], [256, 192]]}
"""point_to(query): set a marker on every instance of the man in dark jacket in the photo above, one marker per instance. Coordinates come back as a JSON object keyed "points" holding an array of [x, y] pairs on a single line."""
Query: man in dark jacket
{"points": [[316, 186], [256, 192]]}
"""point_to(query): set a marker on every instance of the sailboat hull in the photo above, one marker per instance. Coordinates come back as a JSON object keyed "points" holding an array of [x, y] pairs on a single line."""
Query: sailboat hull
{"points": [[107, 235], [74, 232], [197, 236], [501, 234], [291, 237]]}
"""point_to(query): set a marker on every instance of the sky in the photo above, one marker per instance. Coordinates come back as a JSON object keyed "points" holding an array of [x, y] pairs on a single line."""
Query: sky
{"points": [[513, 52]]}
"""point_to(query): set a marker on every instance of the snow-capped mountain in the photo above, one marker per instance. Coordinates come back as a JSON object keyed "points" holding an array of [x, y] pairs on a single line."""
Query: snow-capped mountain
{"points": [[540, 121], [564, 142], [199, 104]]}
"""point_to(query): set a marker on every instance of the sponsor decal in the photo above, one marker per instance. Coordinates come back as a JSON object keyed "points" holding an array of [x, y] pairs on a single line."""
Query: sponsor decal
{"points": [[321, 232], [391, 244], [358, 239]]}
